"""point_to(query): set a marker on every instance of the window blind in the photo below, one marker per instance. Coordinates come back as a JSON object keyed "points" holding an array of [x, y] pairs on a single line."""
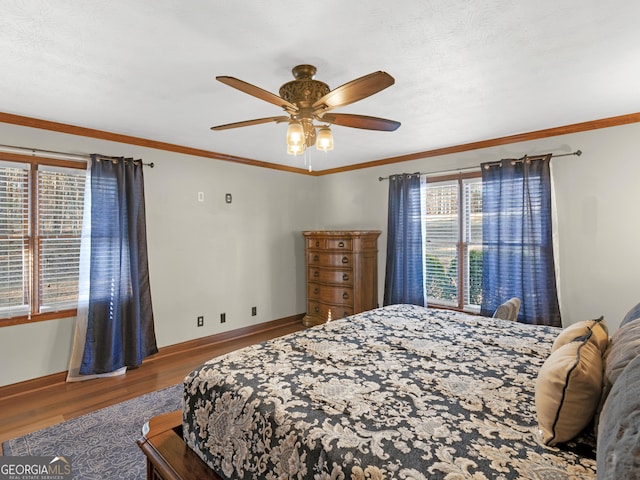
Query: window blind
{"points": [[60, 208], [441, 243], [453, 243], [473, 242], [14, 240]]}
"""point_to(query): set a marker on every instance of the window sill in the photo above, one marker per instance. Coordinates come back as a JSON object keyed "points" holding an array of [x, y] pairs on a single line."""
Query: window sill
{"points": [[38, 317], [470, 311]]}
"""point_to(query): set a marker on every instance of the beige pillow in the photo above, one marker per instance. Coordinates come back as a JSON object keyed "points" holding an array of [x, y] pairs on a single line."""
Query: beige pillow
{"points": [[579, 329], [568, 390]]}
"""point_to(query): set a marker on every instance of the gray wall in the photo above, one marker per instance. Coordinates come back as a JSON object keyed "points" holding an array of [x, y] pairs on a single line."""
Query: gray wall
{"points": [[211, 257]]}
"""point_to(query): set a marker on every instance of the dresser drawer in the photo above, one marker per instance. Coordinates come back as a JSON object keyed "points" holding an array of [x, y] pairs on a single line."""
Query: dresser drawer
{"points": [[329, 294], [323, 259], [337, 243], [335, 277], [321, 311]]}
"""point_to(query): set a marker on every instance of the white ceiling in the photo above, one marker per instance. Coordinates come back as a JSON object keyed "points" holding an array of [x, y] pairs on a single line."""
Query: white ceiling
{"points": [[465, 70]]}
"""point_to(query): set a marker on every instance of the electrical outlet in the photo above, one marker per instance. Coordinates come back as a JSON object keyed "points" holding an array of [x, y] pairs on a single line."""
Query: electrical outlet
{"points": [[200, 321], [254, 311], [223, 317]]}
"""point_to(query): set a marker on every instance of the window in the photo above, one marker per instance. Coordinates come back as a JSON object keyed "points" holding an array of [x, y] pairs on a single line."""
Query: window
{"points": [[41, 205], [453, 241]]}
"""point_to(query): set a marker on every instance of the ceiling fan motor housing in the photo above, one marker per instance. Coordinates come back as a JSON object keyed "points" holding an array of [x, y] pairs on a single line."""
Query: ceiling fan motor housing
{"points": [[304, 90]]}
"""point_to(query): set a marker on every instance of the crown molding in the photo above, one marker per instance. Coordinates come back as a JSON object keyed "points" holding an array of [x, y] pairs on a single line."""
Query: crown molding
{"points": [[141, 142], [170, 147], [521, 137]]}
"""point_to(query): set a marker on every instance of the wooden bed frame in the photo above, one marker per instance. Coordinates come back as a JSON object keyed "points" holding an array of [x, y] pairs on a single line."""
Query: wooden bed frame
{"points": [[168, 456]]}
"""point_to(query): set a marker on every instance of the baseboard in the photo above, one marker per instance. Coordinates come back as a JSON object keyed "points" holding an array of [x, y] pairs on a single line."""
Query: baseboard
{"points": [[32, 385], [190, 345], [203, 342]]}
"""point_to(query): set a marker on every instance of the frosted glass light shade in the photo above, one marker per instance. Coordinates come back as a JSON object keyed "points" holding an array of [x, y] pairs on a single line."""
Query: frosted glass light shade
{"points": [[295, 134], [324, 141], [295, 149]]}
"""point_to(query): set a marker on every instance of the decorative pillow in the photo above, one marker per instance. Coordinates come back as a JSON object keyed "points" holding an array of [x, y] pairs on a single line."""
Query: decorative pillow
{"points": [[568, 390], [623, 347], [600, 334], [618, 451], [631, 315]]}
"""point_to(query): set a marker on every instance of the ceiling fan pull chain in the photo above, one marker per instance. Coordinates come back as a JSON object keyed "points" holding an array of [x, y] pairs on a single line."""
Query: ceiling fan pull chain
{"points": [[307, 159]]}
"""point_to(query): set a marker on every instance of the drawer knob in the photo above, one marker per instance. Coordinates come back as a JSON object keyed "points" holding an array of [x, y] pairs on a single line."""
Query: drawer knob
{"points": [[345, 277], [345, 295], [341, 245], [316, 273], [317, 243], [316, 290], [316, 258], [345, 260], [317, 309]]}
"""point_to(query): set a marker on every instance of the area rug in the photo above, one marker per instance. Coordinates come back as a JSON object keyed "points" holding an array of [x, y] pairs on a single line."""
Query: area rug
{"points": [[102, 444]]}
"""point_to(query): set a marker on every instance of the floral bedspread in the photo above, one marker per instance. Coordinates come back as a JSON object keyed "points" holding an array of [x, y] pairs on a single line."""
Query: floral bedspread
{"points": [[398, 392]]}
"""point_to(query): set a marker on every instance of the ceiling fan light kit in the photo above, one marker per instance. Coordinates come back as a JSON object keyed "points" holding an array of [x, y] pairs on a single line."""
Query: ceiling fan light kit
{"points": [[306, 101], [324, 140], [295, 149], [295, 134]]}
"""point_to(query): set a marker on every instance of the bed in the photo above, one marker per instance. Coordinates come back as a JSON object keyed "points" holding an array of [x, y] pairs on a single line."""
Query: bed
{"points": [[398, 392]]}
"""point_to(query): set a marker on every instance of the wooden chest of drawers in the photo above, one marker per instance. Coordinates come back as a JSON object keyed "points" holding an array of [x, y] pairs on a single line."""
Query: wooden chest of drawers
{"points": [[342, 273]]}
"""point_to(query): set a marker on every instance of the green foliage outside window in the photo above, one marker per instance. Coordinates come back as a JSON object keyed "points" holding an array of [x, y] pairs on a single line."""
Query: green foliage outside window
{"points": [[475, 277], [442, 282]]}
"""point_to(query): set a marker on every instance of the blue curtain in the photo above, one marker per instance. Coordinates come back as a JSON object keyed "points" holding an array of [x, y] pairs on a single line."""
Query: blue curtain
{"points": [[517, 258], [120, 328], [404, 271]]}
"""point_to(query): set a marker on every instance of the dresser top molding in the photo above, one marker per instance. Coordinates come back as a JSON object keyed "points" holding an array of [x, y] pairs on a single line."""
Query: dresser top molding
{"points": [[341, 233]]}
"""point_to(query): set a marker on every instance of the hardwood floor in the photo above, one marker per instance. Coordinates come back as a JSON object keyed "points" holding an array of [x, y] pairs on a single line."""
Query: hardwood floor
{"points": [[25, 412]]}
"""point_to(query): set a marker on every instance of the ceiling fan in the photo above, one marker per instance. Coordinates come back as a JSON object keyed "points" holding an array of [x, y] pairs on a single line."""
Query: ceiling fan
{"points": [[306, 101]]}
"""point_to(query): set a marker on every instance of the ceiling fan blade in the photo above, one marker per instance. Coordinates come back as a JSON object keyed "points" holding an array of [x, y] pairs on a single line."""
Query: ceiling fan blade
{"points": [[354, 90], [248, 123], [360, 121], [258, 93]]}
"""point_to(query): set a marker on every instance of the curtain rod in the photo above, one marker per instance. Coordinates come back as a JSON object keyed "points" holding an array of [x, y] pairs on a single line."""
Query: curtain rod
{"points": [[469, 169], [53, 154]]}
